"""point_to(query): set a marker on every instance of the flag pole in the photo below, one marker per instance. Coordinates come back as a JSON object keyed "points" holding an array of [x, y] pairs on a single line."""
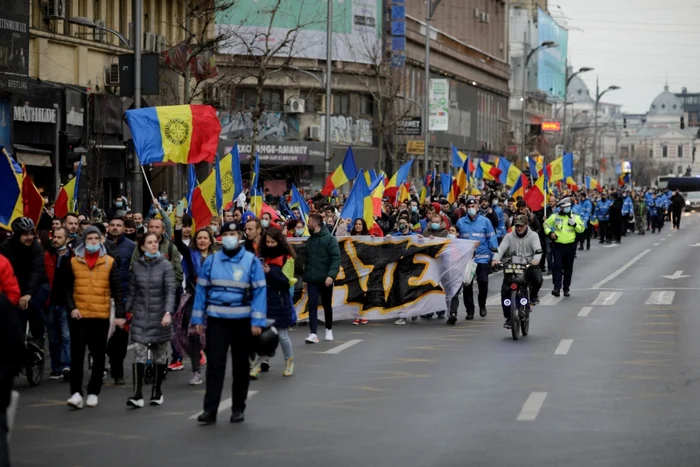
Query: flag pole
{"points": [[145, 178]]}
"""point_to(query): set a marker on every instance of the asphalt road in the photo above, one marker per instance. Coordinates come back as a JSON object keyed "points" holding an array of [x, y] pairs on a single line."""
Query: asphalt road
{"points": [[608, 377]]}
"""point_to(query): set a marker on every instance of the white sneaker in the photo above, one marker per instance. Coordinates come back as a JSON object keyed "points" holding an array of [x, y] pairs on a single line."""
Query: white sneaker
{"points": [[312, 339], [400, 321], [76, 401], [91, 400], [329, 335]]}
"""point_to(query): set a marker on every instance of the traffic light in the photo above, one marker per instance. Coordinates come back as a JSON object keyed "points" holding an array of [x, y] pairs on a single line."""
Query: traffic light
{"points": [[66, 144], [536, 130], [682, 123], [624, 122]]}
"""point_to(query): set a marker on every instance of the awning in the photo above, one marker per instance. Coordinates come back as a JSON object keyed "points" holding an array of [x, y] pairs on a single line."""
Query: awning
{"points": [[28, 155]]}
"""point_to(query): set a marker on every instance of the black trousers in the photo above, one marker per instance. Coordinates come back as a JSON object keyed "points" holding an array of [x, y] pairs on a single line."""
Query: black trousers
{"points": [[603, 227], [91, 333], [482, 280], [563, 264], [221, 334], [326, 294], [616, 226], [585, 237], [5, 390], [116, 350], [676, 217], [533, 276]]}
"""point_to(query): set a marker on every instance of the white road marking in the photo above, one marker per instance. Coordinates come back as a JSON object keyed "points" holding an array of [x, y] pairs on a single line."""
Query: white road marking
{"points": [[676, 275], [624, 268], [550, 300], [224, 405], [663, 239], [584, 311], [613, 245], [532, 406], [341, 347], [661, 297], [563, 347], [493, 300], [657, 244], [607, 298], [668, 235]]}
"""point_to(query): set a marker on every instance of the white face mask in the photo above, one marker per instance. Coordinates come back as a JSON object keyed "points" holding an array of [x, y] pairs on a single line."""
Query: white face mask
{"points": [[230, 242], [471, 212], [451, 236]]}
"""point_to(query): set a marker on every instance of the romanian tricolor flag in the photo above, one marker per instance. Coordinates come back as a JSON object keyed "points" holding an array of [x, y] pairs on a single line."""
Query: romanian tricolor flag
{"points": [[398, 179], [370, 177], [592, 184], [359, 204], [461, 181], [256, 200], [561, 168], [535, 196], [204, 203], [11, 181], [487, 172], [520, 187], [67, 199], [178, 134], [445, 183], [32, 200], [536, 166], [404, 194], [571, 184], [623, 179], [343, 174], [429, 178], [377, 190]]}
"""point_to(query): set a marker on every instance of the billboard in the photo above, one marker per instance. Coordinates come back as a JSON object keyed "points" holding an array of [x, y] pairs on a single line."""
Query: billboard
{"points": [[297, 28], [14, 37], [439, 104], [551, 62]]}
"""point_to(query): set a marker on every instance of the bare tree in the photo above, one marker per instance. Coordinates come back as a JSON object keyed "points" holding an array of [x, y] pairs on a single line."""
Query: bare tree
{"points": [[93, 172], [264, 51]]}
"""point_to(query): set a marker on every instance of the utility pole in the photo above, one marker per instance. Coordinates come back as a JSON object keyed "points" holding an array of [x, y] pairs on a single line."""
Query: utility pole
{"points": [[56, 152], [329, 70], [430, 7], [136, 172]]}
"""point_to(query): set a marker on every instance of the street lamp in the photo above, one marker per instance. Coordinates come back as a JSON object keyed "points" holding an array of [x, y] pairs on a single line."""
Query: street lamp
{"points": [[544, 45], [598, 95], [137, 17], [430, 7], [566, 96]]}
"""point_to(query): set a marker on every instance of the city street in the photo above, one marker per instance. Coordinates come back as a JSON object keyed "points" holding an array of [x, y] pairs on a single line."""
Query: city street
{"points": [[608, 377]]}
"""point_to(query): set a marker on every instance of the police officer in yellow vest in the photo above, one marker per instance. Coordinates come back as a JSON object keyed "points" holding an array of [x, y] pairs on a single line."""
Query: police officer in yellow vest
{"points": [[562, 228]]}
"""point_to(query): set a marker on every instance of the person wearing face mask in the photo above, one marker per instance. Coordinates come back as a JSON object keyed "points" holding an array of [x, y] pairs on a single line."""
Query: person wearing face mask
{"points": [[130, 229], [151, 300], [562, 229], [525, 243], [500, 215], [321, 268], [602, 213], [119, 208], [478, 228], [488, 212], [232, 292], [163, 204], [586, 209], [57, 262], [138, 220], [92, 282]]}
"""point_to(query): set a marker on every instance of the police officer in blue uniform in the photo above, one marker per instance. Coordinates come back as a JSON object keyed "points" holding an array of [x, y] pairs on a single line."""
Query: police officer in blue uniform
{"points": [[232, 292]]}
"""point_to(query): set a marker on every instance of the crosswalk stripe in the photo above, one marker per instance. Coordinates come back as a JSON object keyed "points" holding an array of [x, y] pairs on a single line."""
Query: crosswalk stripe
{"points": [[584, 311], [494, 300], [550, 300], [607, 298], [532, 406], [661, 297]]}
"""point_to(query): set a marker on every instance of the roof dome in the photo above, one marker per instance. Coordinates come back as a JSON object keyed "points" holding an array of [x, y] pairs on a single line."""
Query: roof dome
{"points": [[578, 91], [666, 103]]}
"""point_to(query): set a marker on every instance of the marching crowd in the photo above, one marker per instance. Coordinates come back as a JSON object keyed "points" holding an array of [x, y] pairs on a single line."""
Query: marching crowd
{"points": [[96, 281]]}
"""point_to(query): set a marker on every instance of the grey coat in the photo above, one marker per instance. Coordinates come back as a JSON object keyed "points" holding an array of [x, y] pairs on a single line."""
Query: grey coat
{"points": [[151, 295]]}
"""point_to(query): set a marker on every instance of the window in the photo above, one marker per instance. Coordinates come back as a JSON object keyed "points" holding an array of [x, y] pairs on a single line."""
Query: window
{"points": [[341, 104], [651, 153], [272, 100], [665, 151], [245, 100], [632, 150], [310, 102], [680, 150], [366, 105]]}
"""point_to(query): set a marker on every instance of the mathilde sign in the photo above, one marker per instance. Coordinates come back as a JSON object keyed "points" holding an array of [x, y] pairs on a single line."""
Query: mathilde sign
{"points": [[33, 114]]}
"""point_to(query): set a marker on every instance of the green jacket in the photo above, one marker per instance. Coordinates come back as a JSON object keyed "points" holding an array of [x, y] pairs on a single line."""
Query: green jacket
{"points": [[322, 257], [559, 224]]}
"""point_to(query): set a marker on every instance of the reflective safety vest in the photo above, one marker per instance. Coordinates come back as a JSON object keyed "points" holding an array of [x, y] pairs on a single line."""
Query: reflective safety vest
{"points": [[559, 224]]}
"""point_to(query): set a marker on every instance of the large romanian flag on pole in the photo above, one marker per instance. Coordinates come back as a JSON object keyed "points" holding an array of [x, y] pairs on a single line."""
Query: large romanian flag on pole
{"points": [[343, 174], [177, 134], [11, 182], [67, 199], [359, 203]]}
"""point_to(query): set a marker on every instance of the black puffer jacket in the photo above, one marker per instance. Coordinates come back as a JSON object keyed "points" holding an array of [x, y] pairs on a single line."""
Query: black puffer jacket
{"points": [[151, 295]]}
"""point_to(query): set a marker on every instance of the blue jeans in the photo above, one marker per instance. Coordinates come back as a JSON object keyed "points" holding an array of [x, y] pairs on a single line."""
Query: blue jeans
{"points": [[285, 343], [56, 318]]}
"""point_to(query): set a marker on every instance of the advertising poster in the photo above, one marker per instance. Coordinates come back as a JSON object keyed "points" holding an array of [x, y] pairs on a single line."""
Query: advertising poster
{"points": [[14, 36], [439, 104]]}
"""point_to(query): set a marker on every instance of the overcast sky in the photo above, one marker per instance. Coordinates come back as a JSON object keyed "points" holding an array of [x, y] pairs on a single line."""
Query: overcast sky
{"points": [[633, 44]]}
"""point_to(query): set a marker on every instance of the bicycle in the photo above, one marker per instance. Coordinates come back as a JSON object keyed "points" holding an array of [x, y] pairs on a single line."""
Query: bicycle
{"points": [[34, 366], [519, 301]]}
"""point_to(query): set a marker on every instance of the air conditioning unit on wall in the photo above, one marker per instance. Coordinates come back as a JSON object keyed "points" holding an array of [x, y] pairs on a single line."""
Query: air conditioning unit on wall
{"points": [[112, 75], [296, 106], [313, 133], [149, 42], [55, 9]]}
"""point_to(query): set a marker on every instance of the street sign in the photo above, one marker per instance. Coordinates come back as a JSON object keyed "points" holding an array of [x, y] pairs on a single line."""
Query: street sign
{"points": [[551, 126], [415, 146]]}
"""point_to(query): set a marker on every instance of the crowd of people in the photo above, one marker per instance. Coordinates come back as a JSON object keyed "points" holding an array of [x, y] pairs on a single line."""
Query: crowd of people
{"points": [[96, 281]]}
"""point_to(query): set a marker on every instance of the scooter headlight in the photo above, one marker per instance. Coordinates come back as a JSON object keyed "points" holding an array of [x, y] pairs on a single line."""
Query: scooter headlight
{"points": [[507, 302]]}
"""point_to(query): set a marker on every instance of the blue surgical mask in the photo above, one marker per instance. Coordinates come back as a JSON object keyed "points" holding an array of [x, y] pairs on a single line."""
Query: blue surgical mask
{"points": [[150, 255], [119, 204], [92, 248], [453, 236], [471, 212], [230, 242], [567, 210], [414, 208], [299, 232], [435, 226], [265, 223], [163, 199]]}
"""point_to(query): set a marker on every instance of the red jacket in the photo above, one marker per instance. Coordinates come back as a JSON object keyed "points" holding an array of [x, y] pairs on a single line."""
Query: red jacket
{"points": [[50, 266], [8, 281]]}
